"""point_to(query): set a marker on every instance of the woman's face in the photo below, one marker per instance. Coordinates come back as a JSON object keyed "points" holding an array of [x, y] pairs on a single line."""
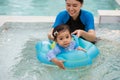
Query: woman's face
{"points": [[73, 8]]}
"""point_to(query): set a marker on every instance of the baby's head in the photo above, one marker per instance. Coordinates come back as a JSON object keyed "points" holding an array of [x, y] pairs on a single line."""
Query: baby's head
{"points": [[60, 29], [62, 35]]}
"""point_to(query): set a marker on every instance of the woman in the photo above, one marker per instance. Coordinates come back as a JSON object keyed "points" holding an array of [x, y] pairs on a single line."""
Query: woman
{"points": [[81, 22]]}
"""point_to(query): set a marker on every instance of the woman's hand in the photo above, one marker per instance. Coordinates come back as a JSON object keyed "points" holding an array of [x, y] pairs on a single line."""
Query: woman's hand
{"points": [[59, 63], [50, 36], [90, 35], [78, 33]]}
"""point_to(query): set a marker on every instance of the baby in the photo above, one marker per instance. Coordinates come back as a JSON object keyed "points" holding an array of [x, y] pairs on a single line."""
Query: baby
{"points": [[63, 38]]}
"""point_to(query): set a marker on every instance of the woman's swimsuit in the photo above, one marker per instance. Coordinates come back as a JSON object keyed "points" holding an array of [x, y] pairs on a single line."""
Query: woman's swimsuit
{"points": [[85, 20]]}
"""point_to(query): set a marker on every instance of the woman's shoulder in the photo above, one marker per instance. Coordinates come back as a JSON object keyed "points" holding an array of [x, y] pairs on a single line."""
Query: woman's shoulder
{"points": [[62, 17], [85, 12], [86, 16], [63, 12]]}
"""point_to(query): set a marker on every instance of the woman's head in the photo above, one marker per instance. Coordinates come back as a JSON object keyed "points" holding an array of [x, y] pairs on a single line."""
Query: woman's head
{"points": [[73, 7], [62, 35], [81, 1]]}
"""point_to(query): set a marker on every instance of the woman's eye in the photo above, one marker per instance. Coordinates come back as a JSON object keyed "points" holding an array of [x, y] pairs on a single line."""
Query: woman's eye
{"points": [[68, 5], [74, 5]]}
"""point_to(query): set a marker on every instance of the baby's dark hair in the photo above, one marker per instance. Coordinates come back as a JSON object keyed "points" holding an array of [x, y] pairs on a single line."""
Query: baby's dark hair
{"points": [[81, 1], [59, 28]]}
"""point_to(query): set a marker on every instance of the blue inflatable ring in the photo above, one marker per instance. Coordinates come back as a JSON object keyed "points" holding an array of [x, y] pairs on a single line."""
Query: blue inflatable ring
{"points": [[73, 59]]}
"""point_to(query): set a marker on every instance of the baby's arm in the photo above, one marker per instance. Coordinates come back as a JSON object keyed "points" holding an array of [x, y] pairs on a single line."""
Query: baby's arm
{"points": [[52, 57], [80, 48]]}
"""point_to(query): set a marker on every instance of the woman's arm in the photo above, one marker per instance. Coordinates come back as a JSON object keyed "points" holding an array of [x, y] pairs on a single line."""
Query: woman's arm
{"points": [[90, 35]]}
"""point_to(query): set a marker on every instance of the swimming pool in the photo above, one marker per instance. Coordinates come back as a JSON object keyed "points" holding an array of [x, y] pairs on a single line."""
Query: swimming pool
{"points": [[18, 57], [17, 43], [50, 7]]}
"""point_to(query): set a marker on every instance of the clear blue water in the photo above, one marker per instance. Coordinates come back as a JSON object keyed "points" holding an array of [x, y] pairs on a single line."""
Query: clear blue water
{"points": [[18, 56], [49, 7]]}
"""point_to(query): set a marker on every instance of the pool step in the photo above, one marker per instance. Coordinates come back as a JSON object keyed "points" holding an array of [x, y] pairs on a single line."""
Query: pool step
{"points": [[109, 16]]}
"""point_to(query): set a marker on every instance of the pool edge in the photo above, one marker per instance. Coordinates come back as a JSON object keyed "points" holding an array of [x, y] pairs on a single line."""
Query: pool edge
{"points": [[4, 19]]}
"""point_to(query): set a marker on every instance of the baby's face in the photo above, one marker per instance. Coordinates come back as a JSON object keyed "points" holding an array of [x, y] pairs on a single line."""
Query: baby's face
{"points": [[64, 38]]}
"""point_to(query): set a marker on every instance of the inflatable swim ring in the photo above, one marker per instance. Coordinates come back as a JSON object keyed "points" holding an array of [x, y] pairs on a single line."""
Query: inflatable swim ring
{"points": [[73, 59]]}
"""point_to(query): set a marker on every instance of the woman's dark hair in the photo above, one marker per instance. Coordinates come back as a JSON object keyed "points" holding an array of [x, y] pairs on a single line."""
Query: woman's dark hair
{"points": [[57, 29], [81, 1]]}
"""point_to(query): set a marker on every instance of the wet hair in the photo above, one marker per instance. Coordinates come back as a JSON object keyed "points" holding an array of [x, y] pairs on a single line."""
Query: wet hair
{"points": [[59, 28], [81, 1]]}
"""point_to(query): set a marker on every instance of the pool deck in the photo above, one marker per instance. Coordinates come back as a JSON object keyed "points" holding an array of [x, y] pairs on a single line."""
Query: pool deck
{"points": [[104, 16], [118, 1], [4, 19], [109, 16]]}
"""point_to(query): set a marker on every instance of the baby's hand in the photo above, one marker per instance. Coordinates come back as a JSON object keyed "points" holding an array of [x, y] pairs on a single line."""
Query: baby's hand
{"points": [[59, 63]]}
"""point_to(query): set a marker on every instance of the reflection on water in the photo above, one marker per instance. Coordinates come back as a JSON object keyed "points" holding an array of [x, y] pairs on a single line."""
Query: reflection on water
{"points": [[22, 63]]}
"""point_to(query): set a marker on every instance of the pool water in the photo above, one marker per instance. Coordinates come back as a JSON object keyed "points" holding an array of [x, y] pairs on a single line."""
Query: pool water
{"points": [[50, 7], [18, 56]]}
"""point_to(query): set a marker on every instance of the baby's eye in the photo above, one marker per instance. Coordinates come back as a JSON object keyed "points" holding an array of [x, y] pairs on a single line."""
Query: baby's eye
{"points": [[61, 39], [67, 36]]}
